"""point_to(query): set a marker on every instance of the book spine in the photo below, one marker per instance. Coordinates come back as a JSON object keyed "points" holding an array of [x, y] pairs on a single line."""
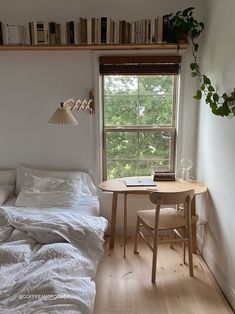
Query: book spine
{"points": [[103, 30], [31, 33], [113, 33], [155, 30], [40, 33], [152, 31], [79, 27], [70, 32], [1, 33], [23, 35], [96, 31], [120, 32], [149, 41], [75, 33], [89, 31], [165, 22], [99, 30], [93, 30], [52, 33], [123, 31], [58, 34], [63, 34], [160, 29], [132, 40], [4, 34], [46, 33], [84, 31]]}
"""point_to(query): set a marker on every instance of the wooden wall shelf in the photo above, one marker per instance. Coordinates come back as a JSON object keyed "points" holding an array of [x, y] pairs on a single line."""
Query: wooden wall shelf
{"points": [[94, 47]]}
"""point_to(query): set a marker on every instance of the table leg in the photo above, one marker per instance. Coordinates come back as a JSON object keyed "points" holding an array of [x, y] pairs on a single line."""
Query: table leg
{"points": [[125, 223], [194, 230], [113, 220]]}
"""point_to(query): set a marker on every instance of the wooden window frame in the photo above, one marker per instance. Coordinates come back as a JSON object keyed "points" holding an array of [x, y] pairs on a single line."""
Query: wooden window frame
{"points": [[165, 61]]}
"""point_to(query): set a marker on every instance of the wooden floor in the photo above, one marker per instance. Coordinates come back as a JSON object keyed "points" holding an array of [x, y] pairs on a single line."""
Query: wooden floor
{"points": [[124, 285]]}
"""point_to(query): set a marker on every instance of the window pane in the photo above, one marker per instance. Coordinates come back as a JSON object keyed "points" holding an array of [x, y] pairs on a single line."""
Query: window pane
{"points": [[156, 84], [138, 100], [137, 153], [121, 145], [120, 110], [156, 110], [120, 84]]}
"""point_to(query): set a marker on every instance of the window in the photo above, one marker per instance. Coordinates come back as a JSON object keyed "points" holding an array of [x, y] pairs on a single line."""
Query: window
{"points": [[138, 116]]}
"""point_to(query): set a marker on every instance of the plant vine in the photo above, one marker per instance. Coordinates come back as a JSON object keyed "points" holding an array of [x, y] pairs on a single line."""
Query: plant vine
{"points": [[183, 25]]}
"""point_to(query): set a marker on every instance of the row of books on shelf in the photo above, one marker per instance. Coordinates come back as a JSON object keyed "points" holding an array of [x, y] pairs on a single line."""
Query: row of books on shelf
{"points": [[86, 31]]}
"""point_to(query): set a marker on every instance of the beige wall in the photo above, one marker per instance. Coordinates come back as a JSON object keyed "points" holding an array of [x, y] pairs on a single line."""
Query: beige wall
{"points": [[216, 149], [33, 83]]}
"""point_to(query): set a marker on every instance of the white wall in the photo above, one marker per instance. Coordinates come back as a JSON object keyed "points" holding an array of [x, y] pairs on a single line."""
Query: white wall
{"points": [[216, 149], [33, 83]]}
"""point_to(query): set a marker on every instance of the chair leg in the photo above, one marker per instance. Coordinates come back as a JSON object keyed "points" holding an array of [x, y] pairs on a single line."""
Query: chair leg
{"points": [[190, 249], [154, 263], [172, 235], [184, 246], [137, 235]]}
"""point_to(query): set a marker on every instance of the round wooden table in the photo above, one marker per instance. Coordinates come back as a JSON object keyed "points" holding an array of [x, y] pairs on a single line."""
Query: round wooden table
{"points": [[118, 186]]}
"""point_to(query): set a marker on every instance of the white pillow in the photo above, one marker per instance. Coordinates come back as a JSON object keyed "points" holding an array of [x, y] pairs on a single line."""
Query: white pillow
{"points": [[5, 191], [84, 183], [45, 199], [46, 184], [8, 179]]}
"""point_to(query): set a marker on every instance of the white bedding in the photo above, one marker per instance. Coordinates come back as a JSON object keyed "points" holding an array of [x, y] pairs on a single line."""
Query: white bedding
{"points": [[84, 205], [49, 257]]}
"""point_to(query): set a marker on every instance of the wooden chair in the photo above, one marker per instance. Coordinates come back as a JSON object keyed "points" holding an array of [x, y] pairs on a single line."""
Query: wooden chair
{"points": [[171, 219]]}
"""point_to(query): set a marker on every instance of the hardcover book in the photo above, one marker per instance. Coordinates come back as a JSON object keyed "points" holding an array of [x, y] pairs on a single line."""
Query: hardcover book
{"points": [[103, 30], [163, 176], [1, 33]]}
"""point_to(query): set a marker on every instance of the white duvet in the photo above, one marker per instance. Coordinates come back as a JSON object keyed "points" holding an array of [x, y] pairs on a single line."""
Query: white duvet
{"points": [[48, 259]]}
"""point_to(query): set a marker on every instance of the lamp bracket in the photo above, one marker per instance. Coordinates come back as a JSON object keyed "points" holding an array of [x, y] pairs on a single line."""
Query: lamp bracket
{"points": [[84, 104]]}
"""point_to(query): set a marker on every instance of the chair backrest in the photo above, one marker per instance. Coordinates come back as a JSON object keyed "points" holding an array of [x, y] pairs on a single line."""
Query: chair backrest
{"points": [[170, 198]]}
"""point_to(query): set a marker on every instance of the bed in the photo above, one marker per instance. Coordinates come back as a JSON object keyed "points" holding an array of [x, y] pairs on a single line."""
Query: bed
{"points": [[49, 251]]}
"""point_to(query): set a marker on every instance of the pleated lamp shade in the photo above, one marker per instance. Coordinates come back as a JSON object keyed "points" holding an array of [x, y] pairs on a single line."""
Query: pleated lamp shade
{"points": [[64, 116]]}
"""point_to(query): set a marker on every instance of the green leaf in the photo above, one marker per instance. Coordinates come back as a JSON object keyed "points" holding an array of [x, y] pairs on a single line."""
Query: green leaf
{"points": [[186, 11], [215, 97], [206, 80], [202, 87], [211, 88], [202, 25], [194, 33], [224, 96], [213, 105], [198, 96], [208, 98], [193, 66], [196, 47], [193, 74]]}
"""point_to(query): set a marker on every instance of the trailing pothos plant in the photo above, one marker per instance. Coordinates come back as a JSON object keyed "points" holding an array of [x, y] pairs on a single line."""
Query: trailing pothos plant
{"points": [[183, 26]]}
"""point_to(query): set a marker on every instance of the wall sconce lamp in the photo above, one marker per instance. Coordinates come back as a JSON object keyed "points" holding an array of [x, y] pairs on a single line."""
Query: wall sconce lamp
{"points": [[63, 114]]}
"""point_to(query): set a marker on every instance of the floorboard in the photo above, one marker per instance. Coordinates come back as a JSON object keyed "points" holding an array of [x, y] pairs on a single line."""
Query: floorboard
{"points": [[124, 285]]}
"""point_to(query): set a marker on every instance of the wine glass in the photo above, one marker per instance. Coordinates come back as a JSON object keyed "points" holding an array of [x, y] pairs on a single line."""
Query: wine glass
{"points": [[186, 165]]}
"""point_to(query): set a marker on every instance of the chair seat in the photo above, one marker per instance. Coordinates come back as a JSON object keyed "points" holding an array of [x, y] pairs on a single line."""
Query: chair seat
{"points": [[169, 218]]}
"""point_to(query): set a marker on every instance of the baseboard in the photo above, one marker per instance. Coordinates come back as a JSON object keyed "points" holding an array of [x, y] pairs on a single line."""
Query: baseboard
{"points": [[217, 272]]}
